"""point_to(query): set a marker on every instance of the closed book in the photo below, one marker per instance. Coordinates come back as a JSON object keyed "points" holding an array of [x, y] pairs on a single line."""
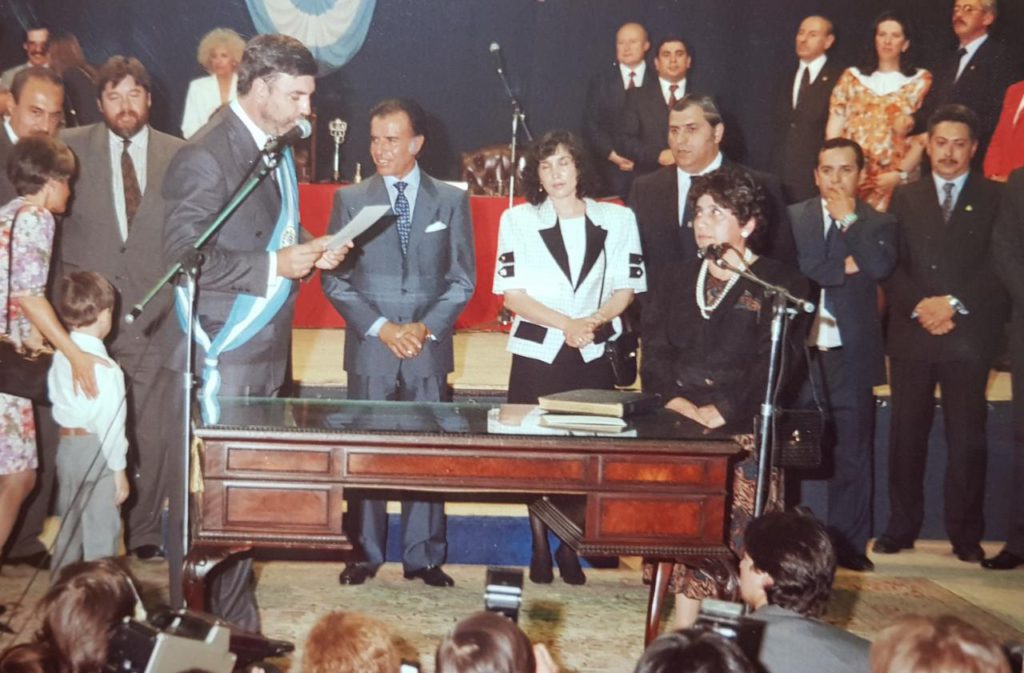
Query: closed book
{"points": [[584, 423], [620, 403]]}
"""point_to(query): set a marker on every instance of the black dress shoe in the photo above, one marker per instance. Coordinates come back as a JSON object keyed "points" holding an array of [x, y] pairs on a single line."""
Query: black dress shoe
{"points": [[431, 575], [39, 559], [356, 573], [969, 553], [890, 545], [1004, 560], [569, 565], [858, 562], [149, 552]]}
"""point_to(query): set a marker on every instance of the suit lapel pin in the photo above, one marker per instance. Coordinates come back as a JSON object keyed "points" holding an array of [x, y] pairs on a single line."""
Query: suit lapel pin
{"points": [[969, 208]]}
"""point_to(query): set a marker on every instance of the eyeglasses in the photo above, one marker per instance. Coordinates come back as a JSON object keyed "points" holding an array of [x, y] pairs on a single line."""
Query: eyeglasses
{"points": [[966, 9]]}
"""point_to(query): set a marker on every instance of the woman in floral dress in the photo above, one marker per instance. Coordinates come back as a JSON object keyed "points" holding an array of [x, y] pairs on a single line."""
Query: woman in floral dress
{"points": [[874, 105], [40, 168]]}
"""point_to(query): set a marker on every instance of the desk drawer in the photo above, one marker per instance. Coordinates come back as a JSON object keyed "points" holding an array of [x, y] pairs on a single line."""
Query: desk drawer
{"points": [[691, 471], [266, 507], [266, 460]]}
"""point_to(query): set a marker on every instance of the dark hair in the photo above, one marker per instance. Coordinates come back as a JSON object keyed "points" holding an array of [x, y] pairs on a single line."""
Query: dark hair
{"points": [[694, 650], [795, 551], [412, 109], [869, 61], [34, 72], [66, 54], [36, 159], [267, 56], [738, 192], [586, 181], [35, 25], [117, 68], [943, 643], [704, 102], [82, 297], [671, 38], [485, 642], [841, 143], [954, 112]]}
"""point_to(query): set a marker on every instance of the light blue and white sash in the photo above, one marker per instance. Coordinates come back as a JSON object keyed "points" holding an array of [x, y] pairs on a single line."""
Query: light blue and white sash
{"points": [[249, 314]]}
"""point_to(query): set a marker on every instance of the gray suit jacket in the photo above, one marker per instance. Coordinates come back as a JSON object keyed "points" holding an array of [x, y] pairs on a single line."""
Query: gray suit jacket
{"points": [[793, 643], [90, 240], [430, 284], [7, 192], [200, 180]]}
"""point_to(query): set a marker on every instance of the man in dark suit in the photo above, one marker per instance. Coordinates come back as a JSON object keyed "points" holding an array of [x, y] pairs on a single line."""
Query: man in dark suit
{"points": [[945, 320], [977, 74], [400, 294], [606, 98], [846, 247], [115, 227], [644, 128], [801, 110], [253, 263], [695, 132], [1008, 252]]}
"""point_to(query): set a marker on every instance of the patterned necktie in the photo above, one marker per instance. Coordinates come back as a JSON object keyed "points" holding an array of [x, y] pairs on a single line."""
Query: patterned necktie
{"points": [[947, 201], [404, 216], [632, 79], [831, 238], [672, 94], [805, 83], [132, 192]]}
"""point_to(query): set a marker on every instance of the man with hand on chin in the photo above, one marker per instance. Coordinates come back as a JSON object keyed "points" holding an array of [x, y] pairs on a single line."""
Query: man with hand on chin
{"points": [[400, 294]]}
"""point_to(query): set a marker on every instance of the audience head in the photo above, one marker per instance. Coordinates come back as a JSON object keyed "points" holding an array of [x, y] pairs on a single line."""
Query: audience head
{"points": [[728, 207], [973, 18], [840, 167], [123, 87], [672, 59], [693, 651], [397, 135], [890, 47], [40, 168], [38, 94], [86, 298], [36, 44], [66, 53], [631, 45], [276, 81], [789, 562], [814, 38], [346, 642], [485, 642], [952, 140], [557, 165], [220, 51], [944, 644], [695, 131]]}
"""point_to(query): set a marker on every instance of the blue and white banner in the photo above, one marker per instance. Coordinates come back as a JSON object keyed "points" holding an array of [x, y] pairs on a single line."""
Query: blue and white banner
{"points": [[334, 30]]}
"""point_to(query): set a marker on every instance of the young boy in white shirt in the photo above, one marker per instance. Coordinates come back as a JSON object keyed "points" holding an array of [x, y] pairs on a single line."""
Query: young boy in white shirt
{"points": [[91, 480]]}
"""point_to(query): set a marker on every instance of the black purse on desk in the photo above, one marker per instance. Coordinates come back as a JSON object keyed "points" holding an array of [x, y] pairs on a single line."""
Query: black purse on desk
{"points": [[23, 370]]}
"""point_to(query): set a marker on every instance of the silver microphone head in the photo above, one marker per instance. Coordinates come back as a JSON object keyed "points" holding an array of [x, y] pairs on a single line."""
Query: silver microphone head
{"points": [[305, 128], [495, 47]]}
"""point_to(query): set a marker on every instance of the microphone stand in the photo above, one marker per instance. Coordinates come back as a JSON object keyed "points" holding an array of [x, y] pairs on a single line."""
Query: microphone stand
{"points": [[190, 266], [784, 307], [518, 117]]}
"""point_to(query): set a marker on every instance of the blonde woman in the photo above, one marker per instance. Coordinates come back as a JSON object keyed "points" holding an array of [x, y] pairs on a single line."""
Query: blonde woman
{"points": [[219, 52]]}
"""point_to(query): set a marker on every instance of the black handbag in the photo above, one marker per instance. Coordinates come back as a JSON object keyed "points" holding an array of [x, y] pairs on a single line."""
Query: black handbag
{"points": [[799, 435], [621, 353], [23, 370]]}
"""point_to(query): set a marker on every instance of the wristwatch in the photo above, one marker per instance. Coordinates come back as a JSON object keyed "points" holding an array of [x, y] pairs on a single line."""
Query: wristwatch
{"points": [[847, 220], [904, 177], [957, 305]]}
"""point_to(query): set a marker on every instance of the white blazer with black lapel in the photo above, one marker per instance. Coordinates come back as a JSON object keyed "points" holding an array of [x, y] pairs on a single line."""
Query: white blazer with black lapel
{"points": [[431, 283]]}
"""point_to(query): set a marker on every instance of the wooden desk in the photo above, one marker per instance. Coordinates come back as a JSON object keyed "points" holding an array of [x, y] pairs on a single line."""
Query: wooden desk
{"points": [[275, 474]]}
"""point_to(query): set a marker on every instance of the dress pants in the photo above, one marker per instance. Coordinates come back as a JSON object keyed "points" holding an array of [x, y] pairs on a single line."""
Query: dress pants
{"points": [[90, 526], [847, 395], [1015, 534], [423, 523], [962, 385]]}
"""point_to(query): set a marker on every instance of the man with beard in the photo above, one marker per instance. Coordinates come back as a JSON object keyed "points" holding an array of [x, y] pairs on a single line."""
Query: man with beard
{"points": [[114, 227], [37, 47]]}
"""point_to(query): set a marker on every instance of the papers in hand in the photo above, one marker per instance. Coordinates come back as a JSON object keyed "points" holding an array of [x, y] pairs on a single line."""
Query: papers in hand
{"points": [[363, 220]]}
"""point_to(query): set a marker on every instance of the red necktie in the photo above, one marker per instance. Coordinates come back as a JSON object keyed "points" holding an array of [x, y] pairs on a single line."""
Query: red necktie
{"points": [[672, 94], [632, 79]]}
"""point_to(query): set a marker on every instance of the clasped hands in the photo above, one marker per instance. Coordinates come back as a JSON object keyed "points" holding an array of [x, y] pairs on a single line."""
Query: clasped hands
{"points": [[708, 415], [404, 340], [579, 332], [935, 315], [298, 260]]}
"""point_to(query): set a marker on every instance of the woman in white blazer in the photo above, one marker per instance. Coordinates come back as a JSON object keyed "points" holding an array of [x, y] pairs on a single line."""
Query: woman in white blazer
{"points": [[568, 267], [219, 52]]}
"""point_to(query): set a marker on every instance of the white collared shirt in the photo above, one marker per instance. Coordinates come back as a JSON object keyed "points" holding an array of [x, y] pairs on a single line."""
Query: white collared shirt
{"points": [[825, 331], [958, 185], [640, 69], [814, 67], [972, 48], [103, 415], [684, 180], [137, 150], [11, 135], [666, 94]]}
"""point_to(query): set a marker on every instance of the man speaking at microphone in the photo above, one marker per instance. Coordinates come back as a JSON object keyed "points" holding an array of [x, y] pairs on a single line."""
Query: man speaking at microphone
{"points": [[251, 266]]}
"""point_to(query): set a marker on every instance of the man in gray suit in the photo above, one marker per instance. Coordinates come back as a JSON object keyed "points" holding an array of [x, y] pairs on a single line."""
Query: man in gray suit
{"points": [[255, 260], [400, 293], [786, 577], [115, 227]]}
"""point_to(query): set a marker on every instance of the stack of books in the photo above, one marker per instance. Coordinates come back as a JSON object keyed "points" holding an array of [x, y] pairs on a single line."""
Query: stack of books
{"points": [[600, 411]]}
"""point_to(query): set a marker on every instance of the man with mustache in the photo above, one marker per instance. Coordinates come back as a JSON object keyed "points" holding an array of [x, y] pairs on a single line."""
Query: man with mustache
{"points": [[114, 227], [946, 311], [37, 47]]}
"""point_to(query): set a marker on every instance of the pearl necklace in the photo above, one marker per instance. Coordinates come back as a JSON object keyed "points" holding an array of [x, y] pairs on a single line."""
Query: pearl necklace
{"points": [[705, 309]]}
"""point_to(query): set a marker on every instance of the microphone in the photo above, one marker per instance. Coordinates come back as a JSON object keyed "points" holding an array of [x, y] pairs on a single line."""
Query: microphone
{"points": [[714, 251], [300, 131], [499, 61]]}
